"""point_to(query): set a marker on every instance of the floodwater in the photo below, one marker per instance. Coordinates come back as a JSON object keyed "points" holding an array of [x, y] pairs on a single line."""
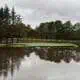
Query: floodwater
{"points": [[39, 64]]}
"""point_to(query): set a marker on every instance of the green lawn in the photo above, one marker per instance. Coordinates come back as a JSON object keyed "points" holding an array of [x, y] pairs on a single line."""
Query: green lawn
{"points": [[39, 45]]}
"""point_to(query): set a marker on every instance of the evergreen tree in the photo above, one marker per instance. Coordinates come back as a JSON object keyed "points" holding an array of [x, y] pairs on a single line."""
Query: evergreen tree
{"points": [[1, 16], [13, 16], [6, 15]]}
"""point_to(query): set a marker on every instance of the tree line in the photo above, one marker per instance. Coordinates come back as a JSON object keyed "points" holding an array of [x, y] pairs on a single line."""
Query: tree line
{"points": [[57, 30], [11, 26]]}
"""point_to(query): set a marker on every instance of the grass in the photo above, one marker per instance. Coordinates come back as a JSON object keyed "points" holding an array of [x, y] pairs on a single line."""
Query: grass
{"points": [[43, 43], [39, 44]]}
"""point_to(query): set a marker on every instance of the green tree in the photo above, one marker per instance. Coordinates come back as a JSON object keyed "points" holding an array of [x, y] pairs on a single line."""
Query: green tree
{"points": [[68, 30], [6, 15], [1, 16], [59, 29], [13, 16]]}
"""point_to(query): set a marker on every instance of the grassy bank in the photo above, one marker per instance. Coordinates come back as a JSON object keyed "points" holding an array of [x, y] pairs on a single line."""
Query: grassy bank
{"points": [[40, 44]]}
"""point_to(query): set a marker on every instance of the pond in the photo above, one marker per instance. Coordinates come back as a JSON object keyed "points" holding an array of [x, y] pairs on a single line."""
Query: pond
{"points": [[39, 63]]}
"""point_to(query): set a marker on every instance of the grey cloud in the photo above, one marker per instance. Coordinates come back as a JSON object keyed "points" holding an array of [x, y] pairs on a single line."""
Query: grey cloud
{"points": [[36, 11]]}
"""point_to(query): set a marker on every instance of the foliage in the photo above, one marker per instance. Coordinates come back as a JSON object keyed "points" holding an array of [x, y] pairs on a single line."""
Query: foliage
{"points": [[11, 26], [59, 30]]}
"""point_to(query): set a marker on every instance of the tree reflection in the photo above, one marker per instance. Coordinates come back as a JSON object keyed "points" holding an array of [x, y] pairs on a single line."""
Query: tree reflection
{"points": [[58, 54], [76, 55], [10, 58]]}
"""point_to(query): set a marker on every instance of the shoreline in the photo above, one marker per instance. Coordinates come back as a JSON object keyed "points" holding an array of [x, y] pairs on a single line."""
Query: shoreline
{"points": [[40, 44]]}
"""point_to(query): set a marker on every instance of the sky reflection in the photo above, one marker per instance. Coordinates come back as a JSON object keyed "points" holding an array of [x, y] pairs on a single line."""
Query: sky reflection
{"points": [[36, 64]]}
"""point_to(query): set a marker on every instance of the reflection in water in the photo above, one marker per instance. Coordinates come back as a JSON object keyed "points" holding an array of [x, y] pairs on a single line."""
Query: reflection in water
{"points": [[58, 54], [10, 59]]}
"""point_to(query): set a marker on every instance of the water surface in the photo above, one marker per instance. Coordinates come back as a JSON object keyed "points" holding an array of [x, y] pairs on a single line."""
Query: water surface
{"points": [[39, 64]]}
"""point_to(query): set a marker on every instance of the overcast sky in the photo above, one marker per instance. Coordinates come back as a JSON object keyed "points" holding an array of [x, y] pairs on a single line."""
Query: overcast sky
{"points": [[37, 11]]}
